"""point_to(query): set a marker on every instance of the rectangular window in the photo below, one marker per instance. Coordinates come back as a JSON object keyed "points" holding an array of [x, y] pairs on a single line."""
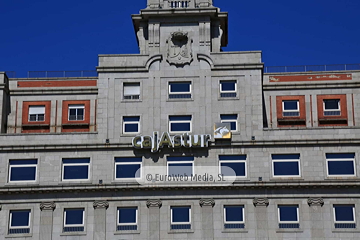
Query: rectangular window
{"points": [[128, 168], [286, 165], [235, 162], [179, 124], [127, 219], [228, 89], [22, 170], [344, 216], [180, 217], [290, 108], [332, 107], [131, 124], [288, 216], [36, 113], [230, 118], [340, 164], [131, 91], [76, 169], [234, 217], [179, 90], [74, 220], [19, 222], [180, 166], [76, 112]]}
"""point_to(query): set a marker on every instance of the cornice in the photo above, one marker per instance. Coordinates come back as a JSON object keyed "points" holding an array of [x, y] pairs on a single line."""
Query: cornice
{"points": [[307, 85]]}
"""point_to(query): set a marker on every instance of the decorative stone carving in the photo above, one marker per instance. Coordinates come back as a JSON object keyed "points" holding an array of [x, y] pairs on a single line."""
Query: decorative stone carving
{"points": [[100, 204], [154, 203], [47, 206], [207, 202], [179, 50], [261, 202], [315, 202]]}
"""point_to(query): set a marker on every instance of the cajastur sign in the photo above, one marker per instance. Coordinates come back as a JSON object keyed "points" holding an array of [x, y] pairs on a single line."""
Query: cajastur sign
{"points": [[155, 142]]}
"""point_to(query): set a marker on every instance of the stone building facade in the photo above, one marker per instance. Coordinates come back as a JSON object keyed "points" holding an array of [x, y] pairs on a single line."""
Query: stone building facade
{"points": [[131, 154]]}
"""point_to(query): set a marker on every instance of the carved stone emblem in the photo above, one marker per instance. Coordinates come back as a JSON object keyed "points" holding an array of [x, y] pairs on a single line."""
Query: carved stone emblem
{"points": [[100, 204], [315, 202], [261, 202], [154, 203], [47, 206], [207, 202], [179, 49]]}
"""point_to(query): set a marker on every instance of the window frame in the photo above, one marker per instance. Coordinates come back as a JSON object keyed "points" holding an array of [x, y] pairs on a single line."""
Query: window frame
{"points": [[131, 122], [72, 106], [332, 110], [234, 222], [127, 224], [327, 160], [20, 227], [230, 121], [74, 225], [289, 222], [234, 161], [37, 115], [179, 162], [128, 163], [180, 121], [180, 223], [23, 165], [285, 160], [74, 164], [291, 111], [131, 99], [345, 222], [227, 91], [176, 93]]}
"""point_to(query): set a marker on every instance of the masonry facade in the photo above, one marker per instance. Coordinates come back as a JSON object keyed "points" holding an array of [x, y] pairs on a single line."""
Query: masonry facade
{"points": [[130, 154]]}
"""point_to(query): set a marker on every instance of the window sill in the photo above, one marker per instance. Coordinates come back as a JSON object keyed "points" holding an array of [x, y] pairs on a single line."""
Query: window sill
{"points": [[290, 230], [344, 230], [181, 231], [286, 179], [180, 100], [73, 234], [227, 98], [17, 184], [27, 235], [127, 232], [75, 124], [342, 178], [131, 101], [234, 231], [87, 182], [35, 124]]}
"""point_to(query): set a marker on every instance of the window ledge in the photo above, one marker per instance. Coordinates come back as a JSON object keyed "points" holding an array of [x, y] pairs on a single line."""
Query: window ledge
{"points": [[289, 230], [131, 101], [87, 182], [19, 184], [127, 232], [350, 230], [181, 231], [73, 234], [18, 235], [282, 179], [343, 178], [180, 100], [228, 98], [75, 124], [35, 125], [234, 231]]}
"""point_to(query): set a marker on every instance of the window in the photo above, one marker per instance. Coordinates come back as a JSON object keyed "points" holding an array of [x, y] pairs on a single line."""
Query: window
{"points": [[19, 222], [179, 124], [76, 112], [74, 220], [180, 217], [22, 170], [131, 91], [288, 216], [228, 89], [179, 90], [234, 217], [286, 165], [344, 216], [332, 107], [230, 118], [180, 166], [36, 113], [235, 162], [290, 108], [340, 164], [128, 168], [75, 169], [127, 219], [131, 124]]}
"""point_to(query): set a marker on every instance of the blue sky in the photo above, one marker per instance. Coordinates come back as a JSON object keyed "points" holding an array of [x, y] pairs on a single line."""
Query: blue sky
{"points": [[50, 35]]}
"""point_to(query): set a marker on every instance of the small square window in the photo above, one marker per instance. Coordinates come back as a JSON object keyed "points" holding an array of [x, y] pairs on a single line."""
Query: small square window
{"points": [[128, 168], [228, 89], [340, 164], [290, 108], [22, 170], [180, 217], [74, 220], [19, 222], [180, 166], [127, 219], [344, 216], [179, 124], [332, 107], [75, 169], [37, 113], [179, 90], [131, 124], [286, 165], [230, 118], [76, 112], [234, 217], [131, 91], [235, 162], [288, 216]]}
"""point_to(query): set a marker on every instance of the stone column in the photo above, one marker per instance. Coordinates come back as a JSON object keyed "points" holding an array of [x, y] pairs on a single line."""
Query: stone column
{"points": [[207, 219], [100, 219], [46, 220], [154, 219], [316, 216], [261, 218]]}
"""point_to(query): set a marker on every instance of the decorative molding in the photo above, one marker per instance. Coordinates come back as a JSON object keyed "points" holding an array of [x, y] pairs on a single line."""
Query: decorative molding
{"points": [[100, 204], [260, 202], [152, 59], [207, 202], [154, 203], [206, 58], [315, 202], [179, 49], [47, 206]]}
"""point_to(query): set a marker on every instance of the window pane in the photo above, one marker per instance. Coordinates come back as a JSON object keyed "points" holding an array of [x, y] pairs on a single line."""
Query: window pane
{"points": [[131, 119], [341, 167], [76, 160], [36, 109], [134, 127], [288, 213], [179, 87], [331, 104], [234, 213], [290, 105], [20, 218], [180, 214], [182, 158], [228, 86], [232, 157], [340, 155], [233, 126], [128, 159], [180, 169], [127, 170], [344, 213], [72, 112], [180, 127], [180, 118], [228, 117], [76, 172], [131, 89], [239, 169], [23, 162], [41, 117], [80, 112], [74, 216], [23, 174], [286, 168], [285, 156], [127, 215]]}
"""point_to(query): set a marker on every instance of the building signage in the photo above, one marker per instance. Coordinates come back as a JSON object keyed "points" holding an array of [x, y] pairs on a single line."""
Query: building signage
{"points": [[155, 142], [222, 131]]}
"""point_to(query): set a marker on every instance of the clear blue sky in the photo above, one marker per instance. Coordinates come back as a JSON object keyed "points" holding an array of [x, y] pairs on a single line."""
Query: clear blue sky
{"points": [[39, 35]]}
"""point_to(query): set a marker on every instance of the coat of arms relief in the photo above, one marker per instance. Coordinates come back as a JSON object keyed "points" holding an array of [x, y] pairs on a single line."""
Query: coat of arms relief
{"points": [[179, 50]]}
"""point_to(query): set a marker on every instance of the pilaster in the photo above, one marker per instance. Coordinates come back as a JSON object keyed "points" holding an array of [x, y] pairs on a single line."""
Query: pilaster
{"points": [[154, 218], [261, 214], [100, 219], [46, 220], [207, 218]]}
